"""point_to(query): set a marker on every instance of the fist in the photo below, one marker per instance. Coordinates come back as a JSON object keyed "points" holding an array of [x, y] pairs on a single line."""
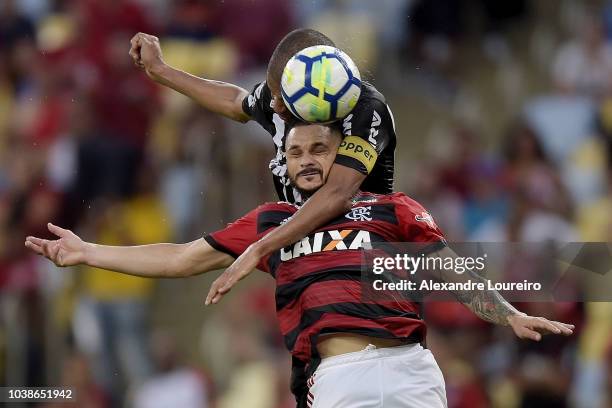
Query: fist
{"points": [[146, 53]]}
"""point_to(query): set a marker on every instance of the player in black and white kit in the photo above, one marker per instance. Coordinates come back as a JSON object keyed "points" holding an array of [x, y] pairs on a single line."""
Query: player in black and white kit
{"points": [[364, 160], [371, 118]]}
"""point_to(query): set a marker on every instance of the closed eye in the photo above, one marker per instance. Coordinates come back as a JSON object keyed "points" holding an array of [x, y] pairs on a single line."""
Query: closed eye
{"points": [[320, 149], [294, 153]]}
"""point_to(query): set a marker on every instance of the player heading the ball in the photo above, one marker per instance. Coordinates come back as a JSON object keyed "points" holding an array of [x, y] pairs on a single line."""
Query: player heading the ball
{"points": [[369, 125]]}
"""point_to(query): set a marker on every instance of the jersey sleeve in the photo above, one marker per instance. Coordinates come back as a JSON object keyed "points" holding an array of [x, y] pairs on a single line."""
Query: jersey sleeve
{"points": [[236, 237], [257, 105], [417, 225], [367, 130]]}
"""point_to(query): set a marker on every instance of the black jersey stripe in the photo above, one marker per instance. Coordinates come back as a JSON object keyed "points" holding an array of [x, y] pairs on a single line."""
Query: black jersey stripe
{"points": [[287, 293], [414, 337], [270, 219], [367, 311]]}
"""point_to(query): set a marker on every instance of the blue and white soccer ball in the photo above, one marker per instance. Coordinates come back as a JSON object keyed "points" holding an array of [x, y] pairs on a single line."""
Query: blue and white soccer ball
{"points": [[320, 84]]}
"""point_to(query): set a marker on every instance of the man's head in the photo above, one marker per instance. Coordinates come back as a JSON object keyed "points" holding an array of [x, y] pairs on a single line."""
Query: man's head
{"points": [[311, 151], [290, 45]]}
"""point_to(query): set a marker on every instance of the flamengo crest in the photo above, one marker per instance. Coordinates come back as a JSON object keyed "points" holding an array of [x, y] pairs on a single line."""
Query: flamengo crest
{"points": [[360, 214]]}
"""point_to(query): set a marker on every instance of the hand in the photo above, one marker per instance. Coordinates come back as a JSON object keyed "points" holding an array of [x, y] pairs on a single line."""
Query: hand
{"points": [[237, 271], [147, 54], [529, 327], [68, 250]]}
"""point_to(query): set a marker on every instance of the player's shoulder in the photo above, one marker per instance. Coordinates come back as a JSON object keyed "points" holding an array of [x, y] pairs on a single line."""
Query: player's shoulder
{"points": [[402, 202], [411, 213], [277, 206], [273, 214], [397, 198], [370, 93], [369, 114], [259, 93], [370, 96], [405, 208]]}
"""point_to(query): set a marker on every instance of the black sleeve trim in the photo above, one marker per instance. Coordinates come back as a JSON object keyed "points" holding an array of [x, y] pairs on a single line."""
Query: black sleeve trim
{"points": [[355, 164], [213, 243], [434, 247]]}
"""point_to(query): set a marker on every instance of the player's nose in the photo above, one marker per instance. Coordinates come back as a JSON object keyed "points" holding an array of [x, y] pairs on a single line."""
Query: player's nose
{"points": [[308, 161]]}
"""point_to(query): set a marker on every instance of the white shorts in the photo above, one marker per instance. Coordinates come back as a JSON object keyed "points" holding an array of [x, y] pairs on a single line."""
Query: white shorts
{"points": [[405, 376]]}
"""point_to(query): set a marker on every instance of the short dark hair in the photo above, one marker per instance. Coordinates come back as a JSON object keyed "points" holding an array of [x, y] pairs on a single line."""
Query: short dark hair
{"points": [[335, 129], [290, 45]]}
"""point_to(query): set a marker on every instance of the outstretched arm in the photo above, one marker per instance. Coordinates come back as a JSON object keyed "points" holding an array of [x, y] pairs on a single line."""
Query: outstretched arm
{"points": [[489, 305], [216, 96], [153, 261]]}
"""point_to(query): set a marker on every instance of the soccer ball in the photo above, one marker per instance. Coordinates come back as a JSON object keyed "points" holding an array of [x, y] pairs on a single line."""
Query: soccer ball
{"points": [[320, 84]]}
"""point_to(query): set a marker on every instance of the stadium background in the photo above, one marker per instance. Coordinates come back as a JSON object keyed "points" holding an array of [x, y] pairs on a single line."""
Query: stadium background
{"points": [[504, 119]]}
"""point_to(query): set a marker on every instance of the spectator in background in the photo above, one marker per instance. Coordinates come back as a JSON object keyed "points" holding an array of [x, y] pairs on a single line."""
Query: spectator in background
{"points": [[192, 19], [353, 29], [16, 31], [76, 374], [604, 122], [564, 120], [254, 26], [101, 20], [589, 382], [583, 65], [174, 383], [125, 101], [528, 171]]}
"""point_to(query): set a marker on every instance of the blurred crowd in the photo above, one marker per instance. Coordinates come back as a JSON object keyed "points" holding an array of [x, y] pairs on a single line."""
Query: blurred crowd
{"points": [[504, 121]]}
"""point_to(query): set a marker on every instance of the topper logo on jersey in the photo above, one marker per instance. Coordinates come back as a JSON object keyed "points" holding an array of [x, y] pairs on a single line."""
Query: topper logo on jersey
{"points": [[360, 214], [360, 150], [374, 128], [324, 241]]}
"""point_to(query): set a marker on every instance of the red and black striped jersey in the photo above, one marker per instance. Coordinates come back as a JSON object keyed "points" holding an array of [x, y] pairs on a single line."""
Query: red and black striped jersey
{"points": [[318, 279]]}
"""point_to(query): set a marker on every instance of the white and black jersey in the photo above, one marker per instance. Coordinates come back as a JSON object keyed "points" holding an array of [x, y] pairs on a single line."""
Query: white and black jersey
{"points": [[368, 145]]}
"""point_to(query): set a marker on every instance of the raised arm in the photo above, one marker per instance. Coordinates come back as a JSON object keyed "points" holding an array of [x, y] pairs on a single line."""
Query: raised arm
{"points": [[490, 305], [216, 96], [331, 201], [152, 261]]}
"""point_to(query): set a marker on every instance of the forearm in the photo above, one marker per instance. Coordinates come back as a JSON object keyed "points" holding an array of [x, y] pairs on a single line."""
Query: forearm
{"points": [[489, 305], [218, 97], [327, 204], [152, 261]]}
